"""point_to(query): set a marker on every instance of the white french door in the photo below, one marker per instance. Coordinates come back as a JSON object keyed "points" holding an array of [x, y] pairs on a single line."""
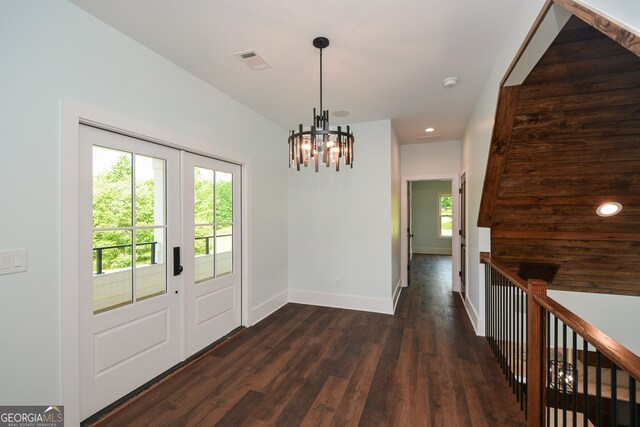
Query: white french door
{"points": [[130, 307], [140, 313], [212, 236]]}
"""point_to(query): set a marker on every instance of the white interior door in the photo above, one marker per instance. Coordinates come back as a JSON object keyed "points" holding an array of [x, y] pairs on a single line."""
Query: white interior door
{"points": [[212, 250], [130, 306]]}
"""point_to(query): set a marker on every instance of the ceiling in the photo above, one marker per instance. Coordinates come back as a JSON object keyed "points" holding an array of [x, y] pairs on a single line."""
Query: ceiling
{"points": [[386, 59]]}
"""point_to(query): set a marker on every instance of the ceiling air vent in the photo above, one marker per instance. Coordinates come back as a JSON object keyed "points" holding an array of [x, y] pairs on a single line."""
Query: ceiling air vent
{"points": [[253, 60]]}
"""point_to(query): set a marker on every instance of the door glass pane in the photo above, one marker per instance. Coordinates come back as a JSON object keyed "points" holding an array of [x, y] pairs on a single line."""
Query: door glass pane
{"points": [[224, 249], [204, 250], [112, 272], [112, 196], [224, 198], [150, 190], [203, 192], [151, 270]]}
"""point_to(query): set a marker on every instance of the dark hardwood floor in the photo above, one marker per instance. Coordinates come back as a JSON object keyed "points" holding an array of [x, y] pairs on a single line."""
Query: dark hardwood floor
{"points": [[318, 366]]}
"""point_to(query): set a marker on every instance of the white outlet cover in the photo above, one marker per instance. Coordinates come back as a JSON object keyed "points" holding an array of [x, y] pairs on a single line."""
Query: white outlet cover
{"points": [[13, 261]]}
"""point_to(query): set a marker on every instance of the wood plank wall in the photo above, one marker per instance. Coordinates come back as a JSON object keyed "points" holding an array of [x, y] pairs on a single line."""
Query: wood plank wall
{"points": [[575, 143]]}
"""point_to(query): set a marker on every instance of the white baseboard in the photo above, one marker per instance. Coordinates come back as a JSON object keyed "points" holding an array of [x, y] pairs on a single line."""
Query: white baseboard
{"points": [[266, 308], [352, 302], [478, 326], [396, 294], [432, 251]]}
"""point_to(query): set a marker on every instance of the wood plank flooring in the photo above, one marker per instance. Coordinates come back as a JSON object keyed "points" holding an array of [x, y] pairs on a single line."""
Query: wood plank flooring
{"points": [[317, 366]]}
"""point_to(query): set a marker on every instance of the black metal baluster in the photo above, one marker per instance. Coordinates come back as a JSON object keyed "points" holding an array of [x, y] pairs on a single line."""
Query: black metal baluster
{"points": [[564, 374], [543, 376], [514, 341], [598, 388], [509, 337], [548, 372], [633, 405], [493, 316], [503, 328], [555, 366], [614, 395], [574, 373], [526, 329], [519, 347], [487, 301], [585, 385]]}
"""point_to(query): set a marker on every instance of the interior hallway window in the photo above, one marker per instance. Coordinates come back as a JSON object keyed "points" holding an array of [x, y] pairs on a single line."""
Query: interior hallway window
{"points": [[445, 215]]}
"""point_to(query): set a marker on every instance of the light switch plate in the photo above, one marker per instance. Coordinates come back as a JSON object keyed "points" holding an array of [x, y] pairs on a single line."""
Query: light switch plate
{"points": [[13, 261]]}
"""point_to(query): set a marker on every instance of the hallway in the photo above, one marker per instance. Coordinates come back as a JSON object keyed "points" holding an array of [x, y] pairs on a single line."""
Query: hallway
{"points": [[307, 365]]}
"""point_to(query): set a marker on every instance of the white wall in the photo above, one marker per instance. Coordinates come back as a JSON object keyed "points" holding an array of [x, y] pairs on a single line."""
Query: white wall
{"points": [[626, 12], [52, 50], [339, 227], [475, 149], [395, 215], [424, 213], [430, 158]]}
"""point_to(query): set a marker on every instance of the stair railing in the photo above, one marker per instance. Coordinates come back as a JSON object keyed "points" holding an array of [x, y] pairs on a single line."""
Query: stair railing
{"points": [[562, 370]]}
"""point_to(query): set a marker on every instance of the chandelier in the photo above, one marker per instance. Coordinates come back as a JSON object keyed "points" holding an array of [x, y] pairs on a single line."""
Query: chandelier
{"points": [[320, 143]]}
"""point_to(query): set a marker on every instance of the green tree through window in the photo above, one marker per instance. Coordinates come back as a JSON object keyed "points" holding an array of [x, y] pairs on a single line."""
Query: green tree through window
{"points": [[445, 215]]}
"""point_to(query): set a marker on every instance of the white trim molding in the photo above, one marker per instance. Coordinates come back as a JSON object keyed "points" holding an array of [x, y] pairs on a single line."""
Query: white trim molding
{"points": [[270, 306], [433, 251], [351, 302], [72, 114], [476, 322], [396, 294]]}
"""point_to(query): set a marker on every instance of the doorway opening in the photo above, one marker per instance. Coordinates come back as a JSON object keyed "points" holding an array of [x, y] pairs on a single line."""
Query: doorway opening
{"points": [[430, 220], [431, 223]]}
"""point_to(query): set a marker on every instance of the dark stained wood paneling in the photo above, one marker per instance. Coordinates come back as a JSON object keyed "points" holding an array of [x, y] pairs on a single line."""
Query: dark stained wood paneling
{"points": [[505, 114], [320, 366], [582, 69], [574, 144], [589, 84], [585, 265]]}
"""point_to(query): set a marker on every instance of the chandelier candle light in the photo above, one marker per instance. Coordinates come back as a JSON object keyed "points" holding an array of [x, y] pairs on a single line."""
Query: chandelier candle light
{"points": [[320, 143]]}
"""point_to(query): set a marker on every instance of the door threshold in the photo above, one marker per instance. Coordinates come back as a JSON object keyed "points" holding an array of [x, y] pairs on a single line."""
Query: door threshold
{"points": [[104, 413]]}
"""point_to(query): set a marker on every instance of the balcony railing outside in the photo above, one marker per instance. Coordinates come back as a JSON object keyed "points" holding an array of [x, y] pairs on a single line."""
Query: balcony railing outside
{"points": [[99, 252]]}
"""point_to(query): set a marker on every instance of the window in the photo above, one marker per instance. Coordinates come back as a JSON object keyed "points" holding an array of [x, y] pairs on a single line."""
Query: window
{"points": [[213, 213], [129, 228], [445, 216]]}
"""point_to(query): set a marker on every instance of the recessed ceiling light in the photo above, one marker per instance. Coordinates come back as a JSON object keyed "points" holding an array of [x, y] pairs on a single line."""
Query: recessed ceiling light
{"points": [[609, 209], [429, 130]]}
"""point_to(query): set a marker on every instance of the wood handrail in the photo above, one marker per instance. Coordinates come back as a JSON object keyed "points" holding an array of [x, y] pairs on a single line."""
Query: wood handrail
{"points": [[613, 350], [485, 258]]}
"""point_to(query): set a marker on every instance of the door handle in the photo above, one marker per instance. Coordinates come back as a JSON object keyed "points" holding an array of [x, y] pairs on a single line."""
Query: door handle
{"points": [[177, 268]]}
